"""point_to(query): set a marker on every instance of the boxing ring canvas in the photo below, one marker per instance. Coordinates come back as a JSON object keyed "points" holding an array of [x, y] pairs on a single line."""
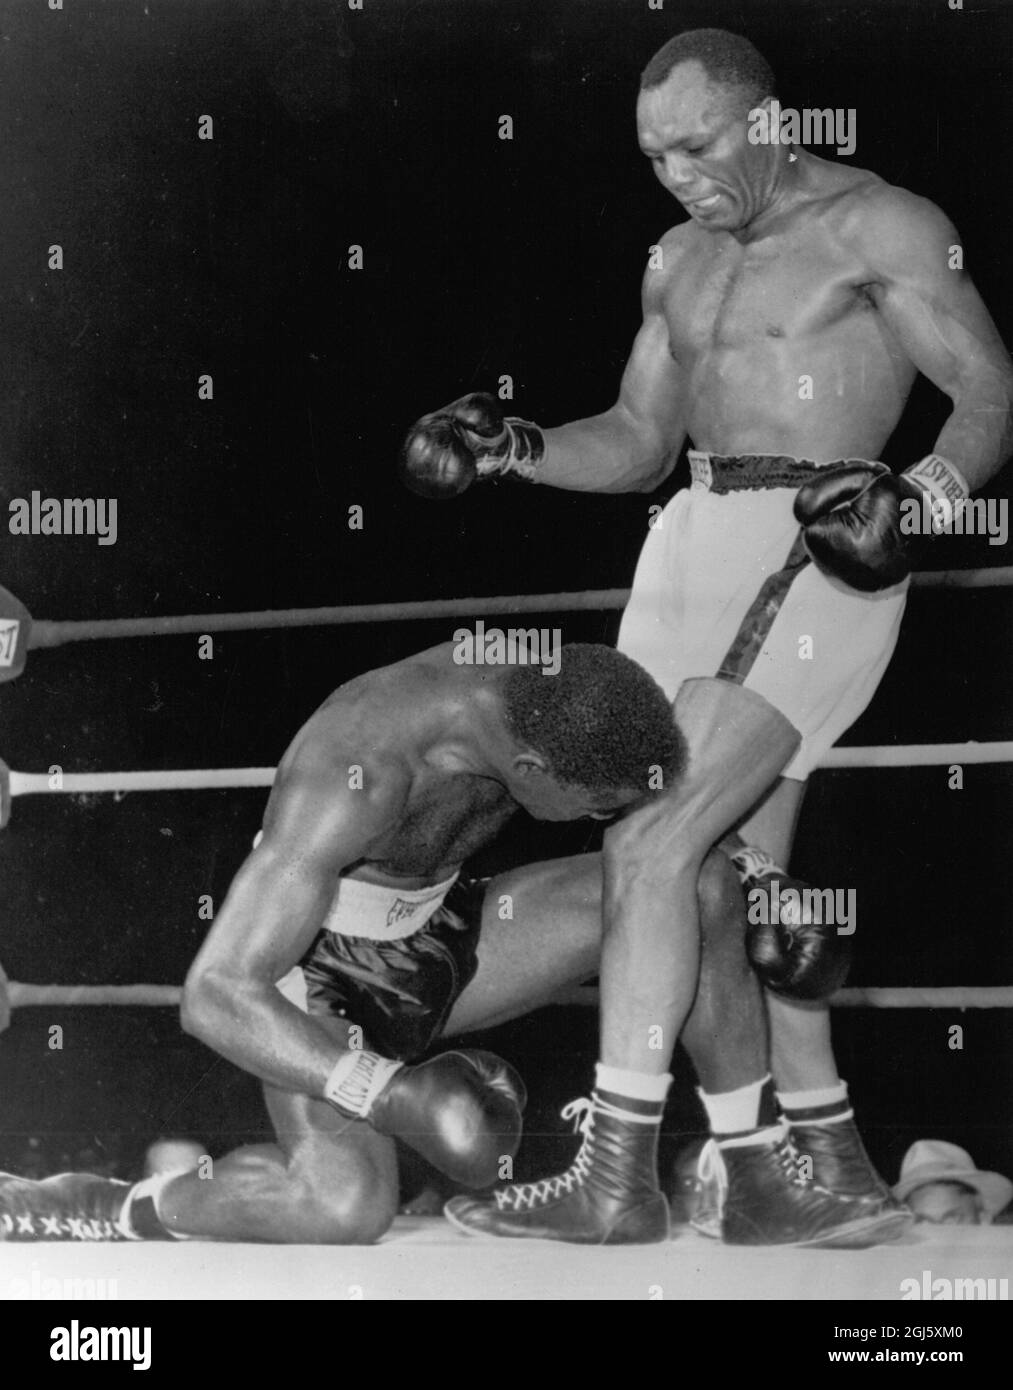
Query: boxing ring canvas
{"points": [[421, 1259], [249, 246]]}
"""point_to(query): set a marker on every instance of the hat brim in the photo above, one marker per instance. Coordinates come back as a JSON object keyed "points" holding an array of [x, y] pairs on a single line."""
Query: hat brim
{"points": [[995, 1190]]}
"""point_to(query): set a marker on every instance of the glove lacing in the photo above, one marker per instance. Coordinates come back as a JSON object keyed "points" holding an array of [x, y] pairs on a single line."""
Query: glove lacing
{"points": [[523, 1195], [751, 864], [518, 450]]}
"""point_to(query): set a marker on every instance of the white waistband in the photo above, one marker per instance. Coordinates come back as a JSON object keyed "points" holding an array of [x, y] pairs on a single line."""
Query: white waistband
{"points": [[700, 468], [381, 912], [377, 910]]}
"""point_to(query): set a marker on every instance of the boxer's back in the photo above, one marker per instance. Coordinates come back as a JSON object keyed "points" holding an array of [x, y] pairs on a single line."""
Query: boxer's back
{"points": [[378, 730]]}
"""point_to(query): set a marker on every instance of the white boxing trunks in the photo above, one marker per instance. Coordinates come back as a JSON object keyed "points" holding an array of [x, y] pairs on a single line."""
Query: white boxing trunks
{"points": [[724, 588]]}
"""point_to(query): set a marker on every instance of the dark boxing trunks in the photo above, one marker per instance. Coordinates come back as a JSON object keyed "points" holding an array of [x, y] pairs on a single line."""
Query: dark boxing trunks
{"points": [[400, 992]]}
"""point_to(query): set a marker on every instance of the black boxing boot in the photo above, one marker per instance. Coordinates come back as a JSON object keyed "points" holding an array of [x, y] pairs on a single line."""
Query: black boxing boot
{"points": [[78, 1206], [765, 1200], [827, 1136], [608, 1196], [692, 1201], [706, 1215], [748, 1112]]}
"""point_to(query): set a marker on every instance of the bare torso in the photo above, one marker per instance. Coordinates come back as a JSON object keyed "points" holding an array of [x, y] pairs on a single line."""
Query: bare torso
{"points": [[780, 339], [396, 723], [446, 819]]}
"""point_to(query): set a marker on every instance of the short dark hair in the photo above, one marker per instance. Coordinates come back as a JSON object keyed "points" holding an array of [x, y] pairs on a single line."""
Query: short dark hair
{"points": [[601, 722], [728, 59]]}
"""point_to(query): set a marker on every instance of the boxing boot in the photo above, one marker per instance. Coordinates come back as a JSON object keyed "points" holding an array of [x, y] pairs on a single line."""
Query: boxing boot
{"points": [[839, 1161], [706, 1217], [77, 1206], [764, 1200], [608, 1196]]}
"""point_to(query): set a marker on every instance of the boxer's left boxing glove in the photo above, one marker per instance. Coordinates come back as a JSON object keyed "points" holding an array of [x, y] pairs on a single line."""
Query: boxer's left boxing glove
{"points": [[470, 439], [460, 1110], [859, 522], [792, 953]]}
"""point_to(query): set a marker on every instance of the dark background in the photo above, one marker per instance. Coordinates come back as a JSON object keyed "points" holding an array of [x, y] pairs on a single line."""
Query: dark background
{"points": [[482, 257]]}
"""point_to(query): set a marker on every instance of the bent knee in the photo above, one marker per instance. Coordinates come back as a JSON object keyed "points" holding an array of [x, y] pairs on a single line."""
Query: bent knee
{"points": [[354, 1209]]}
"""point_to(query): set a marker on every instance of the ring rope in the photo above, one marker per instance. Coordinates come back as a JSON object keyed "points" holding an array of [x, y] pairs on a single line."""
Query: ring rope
{"points": [[919, 754], [30, 996], [45, 633], [203, 779], [22, 996], [172, 779], [51, 634], [874, 997]]}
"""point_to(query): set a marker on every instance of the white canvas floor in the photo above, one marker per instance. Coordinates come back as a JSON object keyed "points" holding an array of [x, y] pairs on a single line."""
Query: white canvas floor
{"points": [[423, 1258]]}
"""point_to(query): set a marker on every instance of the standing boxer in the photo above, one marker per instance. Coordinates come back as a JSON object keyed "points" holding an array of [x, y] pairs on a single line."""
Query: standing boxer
{"points": [[784, 324]]}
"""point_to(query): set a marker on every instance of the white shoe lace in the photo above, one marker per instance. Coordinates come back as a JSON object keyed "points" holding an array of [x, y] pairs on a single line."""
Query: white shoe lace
{"points": [[521, 1196], [712, 1174], [791, 1163]]}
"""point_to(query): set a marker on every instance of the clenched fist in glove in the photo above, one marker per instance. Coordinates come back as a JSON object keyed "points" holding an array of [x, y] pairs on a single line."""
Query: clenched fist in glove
{"points": [[794, 954], [858, 521], [470, 438], [460, 1110]]}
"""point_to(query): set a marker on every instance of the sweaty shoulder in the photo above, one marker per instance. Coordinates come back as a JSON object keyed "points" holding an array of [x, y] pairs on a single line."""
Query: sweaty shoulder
{"points": [[367, 723], [665, 255], [890, 226]]}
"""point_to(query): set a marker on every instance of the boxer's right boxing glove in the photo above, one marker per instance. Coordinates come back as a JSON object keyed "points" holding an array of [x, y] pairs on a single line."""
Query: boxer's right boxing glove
{"points": [[446, 451], [460, 1110]]}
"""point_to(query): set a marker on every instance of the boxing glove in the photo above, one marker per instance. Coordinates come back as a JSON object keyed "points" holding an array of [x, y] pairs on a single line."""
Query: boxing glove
{"points": [[446, 451], [793, 954], [460, 1110], [859, 522]]}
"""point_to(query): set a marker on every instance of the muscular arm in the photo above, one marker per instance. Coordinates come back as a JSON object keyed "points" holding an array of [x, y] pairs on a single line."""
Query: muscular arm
{"points": [[633, 446], [278, 901], [939, 319]]}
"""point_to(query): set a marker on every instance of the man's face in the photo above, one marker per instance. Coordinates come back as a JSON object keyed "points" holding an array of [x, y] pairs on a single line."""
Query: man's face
{"points": [[686, 1186], [695, 134], [546, 799], [946, 1204]]}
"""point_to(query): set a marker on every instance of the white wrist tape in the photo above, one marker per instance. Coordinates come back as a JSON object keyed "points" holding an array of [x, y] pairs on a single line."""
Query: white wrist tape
{"points": [[752, 863], [945, 487], [357, 1080]]}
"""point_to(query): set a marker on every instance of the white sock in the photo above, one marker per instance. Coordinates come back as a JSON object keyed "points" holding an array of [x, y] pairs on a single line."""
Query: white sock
{"points": [[769, 1135], [148, 1187], [734, 1112], [636, 1085], [836, 1094]]}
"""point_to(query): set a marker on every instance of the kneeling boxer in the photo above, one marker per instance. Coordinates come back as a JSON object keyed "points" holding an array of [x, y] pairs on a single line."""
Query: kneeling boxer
{"points": [[349, 942]]}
